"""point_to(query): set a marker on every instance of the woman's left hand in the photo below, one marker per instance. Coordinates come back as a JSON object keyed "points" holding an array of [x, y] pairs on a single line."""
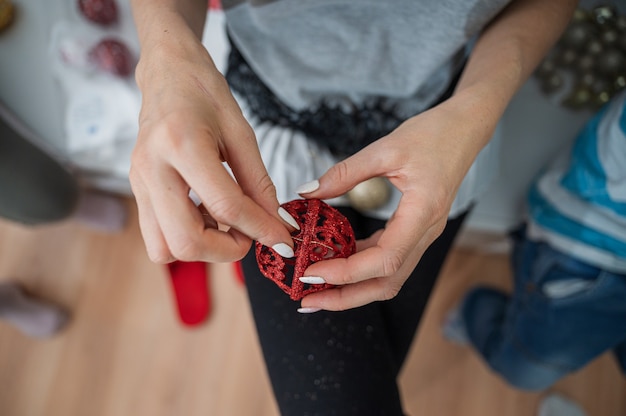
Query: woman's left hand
{"points": [[426, 158]]}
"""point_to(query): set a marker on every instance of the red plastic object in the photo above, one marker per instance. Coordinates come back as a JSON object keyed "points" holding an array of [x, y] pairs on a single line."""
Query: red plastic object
{"points": [[324, 234], [239, 272], [190, 285]]}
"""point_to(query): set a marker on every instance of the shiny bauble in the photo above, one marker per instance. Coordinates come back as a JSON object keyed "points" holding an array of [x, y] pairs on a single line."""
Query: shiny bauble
{"points": [[587, 79], [601, 85], [594, 47], [609, 36], [585, 63], [551, 83], [578, 34], [371, 194], [620, 23], [546, 68], [612, 61], [579, 98], [621, 41], [580, 15], [100, 12], [604, 14], [567, 56], [112, 56], [601, 98]]}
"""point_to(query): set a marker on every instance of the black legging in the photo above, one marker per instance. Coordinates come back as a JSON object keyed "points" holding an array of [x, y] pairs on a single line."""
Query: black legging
{"points": [[342, 363]]}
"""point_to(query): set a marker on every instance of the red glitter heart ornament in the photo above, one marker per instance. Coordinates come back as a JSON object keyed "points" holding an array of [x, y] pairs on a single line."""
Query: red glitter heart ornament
{"points": [[324, 234]]}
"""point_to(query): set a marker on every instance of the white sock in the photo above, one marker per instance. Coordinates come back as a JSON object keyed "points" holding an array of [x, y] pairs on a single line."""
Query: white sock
{"points": [[33, 317], [453, 328], [101, 212], [556, 405]]}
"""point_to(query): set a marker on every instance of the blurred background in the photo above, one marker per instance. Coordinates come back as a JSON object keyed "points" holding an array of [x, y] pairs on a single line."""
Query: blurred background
{"points": [[125, 350]]}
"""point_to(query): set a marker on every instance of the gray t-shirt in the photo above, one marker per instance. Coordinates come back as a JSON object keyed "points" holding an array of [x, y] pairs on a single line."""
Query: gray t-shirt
{"points": [[340, 50], [344, 52]]}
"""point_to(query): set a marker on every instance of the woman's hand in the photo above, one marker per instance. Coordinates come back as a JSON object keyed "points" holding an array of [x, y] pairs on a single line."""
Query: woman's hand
{"points": [[189, 124], [424, 159], [427, 157]]}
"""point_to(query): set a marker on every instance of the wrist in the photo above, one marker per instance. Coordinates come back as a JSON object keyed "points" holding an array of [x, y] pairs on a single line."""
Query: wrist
{"points": [[165, 50], [169, 32], [476, 111]]}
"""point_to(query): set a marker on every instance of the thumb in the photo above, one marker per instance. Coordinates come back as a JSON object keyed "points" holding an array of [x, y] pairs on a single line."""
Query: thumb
{"points": [[245, 162], [343, 176]]}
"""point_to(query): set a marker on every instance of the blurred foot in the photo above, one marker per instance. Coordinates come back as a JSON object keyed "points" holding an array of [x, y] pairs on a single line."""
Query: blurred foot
{"points": [[31, 316], [556, 405], [101, 212], [454, 328]]}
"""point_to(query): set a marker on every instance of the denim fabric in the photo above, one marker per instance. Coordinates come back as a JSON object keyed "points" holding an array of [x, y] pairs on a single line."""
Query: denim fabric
{"points": [[562, 314]]}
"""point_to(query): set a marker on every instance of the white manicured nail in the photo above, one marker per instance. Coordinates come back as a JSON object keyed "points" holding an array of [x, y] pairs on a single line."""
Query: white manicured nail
{"points": [[309, 310], [308, 187], [288, 218], [312, 280], [284, 250]]}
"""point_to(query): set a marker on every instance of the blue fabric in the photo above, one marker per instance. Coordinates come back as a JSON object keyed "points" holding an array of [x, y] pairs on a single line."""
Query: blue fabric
{"points": [[531, 339], [578, 205], [586, 176], [549, 217]]}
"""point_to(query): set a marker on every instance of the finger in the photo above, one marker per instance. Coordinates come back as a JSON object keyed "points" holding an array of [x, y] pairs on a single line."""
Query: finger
{"points": [[209, 221], [352, 296], [348, 173], [402, 233], [368, 242], [156, 246], [244, 159], [362, 293], [227, 204], [183, 225]]}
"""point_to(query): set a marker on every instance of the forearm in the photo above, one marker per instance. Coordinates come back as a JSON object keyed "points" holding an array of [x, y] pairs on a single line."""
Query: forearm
{"points": [[502, 59], [151, 15], [507, 52], [167, 30]]}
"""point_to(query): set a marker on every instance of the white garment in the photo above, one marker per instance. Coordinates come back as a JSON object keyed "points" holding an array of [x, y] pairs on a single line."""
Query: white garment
{"points": [[292, 160]]}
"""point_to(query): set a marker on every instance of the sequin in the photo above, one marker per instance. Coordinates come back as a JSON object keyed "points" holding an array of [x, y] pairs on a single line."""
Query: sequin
{"points": [[324, 234]]}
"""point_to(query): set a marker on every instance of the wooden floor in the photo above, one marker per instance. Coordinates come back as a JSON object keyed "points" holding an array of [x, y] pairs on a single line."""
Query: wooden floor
{"points": [[124, 352]]}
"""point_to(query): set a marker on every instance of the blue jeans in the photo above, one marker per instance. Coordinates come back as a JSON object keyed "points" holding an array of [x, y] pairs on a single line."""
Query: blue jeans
{"points": [[562, 314]]}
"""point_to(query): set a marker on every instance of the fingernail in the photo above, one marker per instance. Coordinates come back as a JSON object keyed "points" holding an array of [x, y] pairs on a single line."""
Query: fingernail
{"points": [[288, 218], [308, 187], [312, 280], [284, 250], [309, 310]]}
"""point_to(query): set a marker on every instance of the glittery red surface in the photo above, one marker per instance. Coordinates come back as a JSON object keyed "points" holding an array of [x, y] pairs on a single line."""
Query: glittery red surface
{"points": [[324, 234]]}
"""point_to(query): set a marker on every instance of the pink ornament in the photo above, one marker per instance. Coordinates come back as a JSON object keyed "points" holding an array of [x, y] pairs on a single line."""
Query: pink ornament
{"points": [[101, 12], [111, 55]]}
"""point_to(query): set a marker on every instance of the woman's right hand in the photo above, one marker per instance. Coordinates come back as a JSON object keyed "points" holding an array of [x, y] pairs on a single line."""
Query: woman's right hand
{"points": [[189, 125]]}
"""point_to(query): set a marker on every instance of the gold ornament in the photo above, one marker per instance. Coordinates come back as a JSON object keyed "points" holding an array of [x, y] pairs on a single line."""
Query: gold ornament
{"points": [[589, 60], [551, 83], [7, 12], [579, 98], [604, 14], [371, 194], [601, 98]]}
